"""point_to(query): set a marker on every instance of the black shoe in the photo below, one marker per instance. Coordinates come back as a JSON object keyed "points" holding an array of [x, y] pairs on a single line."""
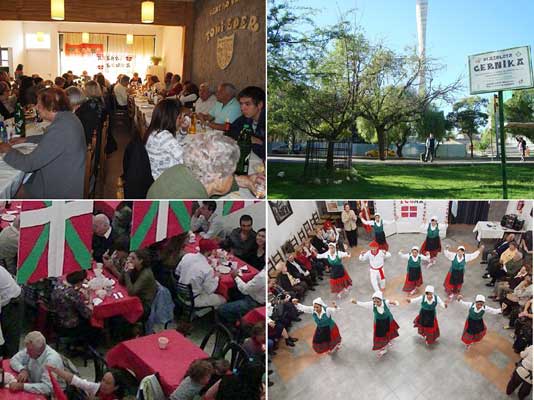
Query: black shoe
{"points": [[491, 284], [270, 372], [293, 339], [290, 343], [486, 276]]}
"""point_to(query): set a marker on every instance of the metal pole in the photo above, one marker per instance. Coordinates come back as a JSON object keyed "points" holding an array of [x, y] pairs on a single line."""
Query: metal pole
{"points": [[496, 118], [503, 150]]}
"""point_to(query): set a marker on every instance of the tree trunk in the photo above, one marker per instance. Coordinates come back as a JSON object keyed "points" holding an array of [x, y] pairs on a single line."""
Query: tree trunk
{"points": [[381, 134], [330, 156], [399, 148], [471, 146]]}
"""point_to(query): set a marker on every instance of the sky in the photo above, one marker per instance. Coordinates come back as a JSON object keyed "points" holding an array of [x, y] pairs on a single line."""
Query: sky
{"points": [[455, 28]]}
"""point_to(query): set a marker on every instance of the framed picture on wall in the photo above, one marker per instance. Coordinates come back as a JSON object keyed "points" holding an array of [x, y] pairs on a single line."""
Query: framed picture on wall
{"points": [[281, 210]]}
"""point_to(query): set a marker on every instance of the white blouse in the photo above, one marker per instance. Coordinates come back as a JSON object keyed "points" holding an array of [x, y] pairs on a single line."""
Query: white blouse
{"points": [[164, 151]]}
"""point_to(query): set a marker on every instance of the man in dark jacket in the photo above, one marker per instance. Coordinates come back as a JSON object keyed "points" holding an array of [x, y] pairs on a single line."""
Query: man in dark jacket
{"points": [[103, 236]]}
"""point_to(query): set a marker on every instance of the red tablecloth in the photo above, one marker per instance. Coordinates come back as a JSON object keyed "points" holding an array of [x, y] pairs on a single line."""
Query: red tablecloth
{"points": [[5, 394], [256, 315], [144, 357], [226, 282], [129, 307]]}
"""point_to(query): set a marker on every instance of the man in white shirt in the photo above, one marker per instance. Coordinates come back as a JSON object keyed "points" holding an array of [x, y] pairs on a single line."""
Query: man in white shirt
{"points": [[206, 221], [206, 100], [9, 246], [195, 270], [376, 259], [121, 91], [10, 312], [31, 364], [254, 296]]}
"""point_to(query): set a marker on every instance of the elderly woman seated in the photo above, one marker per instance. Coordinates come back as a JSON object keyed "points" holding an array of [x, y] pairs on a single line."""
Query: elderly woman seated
{"points": [[208, 171], [58, 161]]}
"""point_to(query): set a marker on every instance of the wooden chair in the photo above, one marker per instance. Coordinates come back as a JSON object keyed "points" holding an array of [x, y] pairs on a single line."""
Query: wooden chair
{"points": [[218, 338], [302, 235], [316, 219], [185, 300], [277, 257], [120, 188], [294, 241], [308, 228], [89, 167]]}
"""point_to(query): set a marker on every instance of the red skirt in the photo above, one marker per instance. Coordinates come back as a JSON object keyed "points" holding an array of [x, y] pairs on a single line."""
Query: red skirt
{"points": [[379, 342], [433, 252], [475, 335], [429, 333], [411, 285], [322, 342], [337, 285], [449, 287]]}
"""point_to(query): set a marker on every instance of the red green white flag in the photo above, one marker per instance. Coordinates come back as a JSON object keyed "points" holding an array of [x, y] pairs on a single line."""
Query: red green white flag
{"points": [[153, 221], [55, 239]]}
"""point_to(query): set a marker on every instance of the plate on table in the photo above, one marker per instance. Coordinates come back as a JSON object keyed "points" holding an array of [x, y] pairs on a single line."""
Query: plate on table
{"points": [[97, 301], [8, 217], [224, 270]]}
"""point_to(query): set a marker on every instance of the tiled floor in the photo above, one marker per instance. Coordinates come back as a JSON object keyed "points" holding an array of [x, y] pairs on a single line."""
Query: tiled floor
{"points": [[410, 370]]}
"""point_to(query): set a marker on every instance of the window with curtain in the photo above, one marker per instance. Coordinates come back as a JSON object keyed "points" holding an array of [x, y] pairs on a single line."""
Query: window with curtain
{"points": [[106, 53]]}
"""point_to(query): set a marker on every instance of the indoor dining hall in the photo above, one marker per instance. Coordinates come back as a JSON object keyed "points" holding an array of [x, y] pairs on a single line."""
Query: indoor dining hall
{"points": [[132, 100], [123, 300]]}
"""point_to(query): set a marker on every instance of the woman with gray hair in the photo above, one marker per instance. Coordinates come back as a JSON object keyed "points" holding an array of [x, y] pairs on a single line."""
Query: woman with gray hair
{"points": [[210, 162]]}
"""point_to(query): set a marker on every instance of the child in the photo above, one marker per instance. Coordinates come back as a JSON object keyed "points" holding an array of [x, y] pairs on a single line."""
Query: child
{"points": [[426, 322], [340, 281], [414, 278], [198, 375], [385, 327], [455, 277], [376, 258], [432, 243], [475, 328], [326, 337]]}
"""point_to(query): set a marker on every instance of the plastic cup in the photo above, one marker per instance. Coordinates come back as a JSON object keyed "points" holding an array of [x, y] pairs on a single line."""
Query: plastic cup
{"points": [[163, 342]]}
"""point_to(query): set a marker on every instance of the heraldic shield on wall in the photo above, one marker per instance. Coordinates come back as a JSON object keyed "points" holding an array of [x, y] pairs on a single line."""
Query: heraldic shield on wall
{"points": [[225, 51]]}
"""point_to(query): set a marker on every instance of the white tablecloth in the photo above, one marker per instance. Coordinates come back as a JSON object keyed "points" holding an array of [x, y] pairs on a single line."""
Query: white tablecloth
{"points": [[11, 178], [491, 230]]}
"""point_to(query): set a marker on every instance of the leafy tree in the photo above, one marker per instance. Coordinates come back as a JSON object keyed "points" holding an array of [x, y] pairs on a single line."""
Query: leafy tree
{"points": [[520, 108], [468, 115]]}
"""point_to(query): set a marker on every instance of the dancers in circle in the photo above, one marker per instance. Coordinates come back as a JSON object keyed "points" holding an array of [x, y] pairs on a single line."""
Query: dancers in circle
{"points": [[414, 277], [455, 277], [432, 243], [376, 257], [340, 281], [426, 321], [475, 328]]}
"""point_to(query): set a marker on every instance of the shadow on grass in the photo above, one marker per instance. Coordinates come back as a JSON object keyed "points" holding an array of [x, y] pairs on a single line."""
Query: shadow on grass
{"points": [[398, 181]]}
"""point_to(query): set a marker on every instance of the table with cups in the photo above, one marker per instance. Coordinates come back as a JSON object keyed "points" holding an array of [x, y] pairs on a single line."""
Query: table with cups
{"points": [[109, 298], [168, 353], [11, 376], [10, 178], [224, 262], [8, 215]]}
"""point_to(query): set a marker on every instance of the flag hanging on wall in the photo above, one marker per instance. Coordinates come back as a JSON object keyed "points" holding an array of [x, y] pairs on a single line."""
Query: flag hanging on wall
{"points": [[55, 239], [153, 221]]}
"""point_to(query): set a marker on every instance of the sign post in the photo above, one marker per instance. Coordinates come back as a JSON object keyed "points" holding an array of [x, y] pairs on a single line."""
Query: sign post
{"points": [[496, 71]]}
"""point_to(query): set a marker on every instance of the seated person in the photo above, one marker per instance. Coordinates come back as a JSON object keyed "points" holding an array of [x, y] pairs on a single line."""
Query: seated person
{"points": [[255, 344], [502, 288], [69, 303], [226, 109], [6, 104], [257, 258], [221, 367], [194, 269], [136, 79], [163, 145], [306, 253], [155, 85], [139, 280], [207, 172], [289, 283], [116, 261], [31, 364], [206, 100], [252, 122], [319, 242], [497, 268], [110, 387], [299, 271], [103, 236], [206, 222], [522, 376], [189, 95], [281, 299], [198, 375], [176, 86], [241, 241], [9, 245], [277, 329], [525, 246], [523, 327], [167, 80], [246, 384], [498, 249], [253, 293], [121, 92], [121, 223]]}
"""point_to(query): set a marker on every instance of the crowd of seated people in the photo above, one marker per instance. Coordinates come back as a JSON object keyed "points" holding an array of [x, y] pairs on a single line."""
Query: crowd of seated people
{"points": [[141, 272]]}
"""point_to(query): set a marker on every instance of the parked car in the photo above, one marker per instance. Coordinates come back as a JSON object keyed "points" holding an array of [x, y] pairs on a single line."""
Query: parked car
{"points": [[280, 149]]}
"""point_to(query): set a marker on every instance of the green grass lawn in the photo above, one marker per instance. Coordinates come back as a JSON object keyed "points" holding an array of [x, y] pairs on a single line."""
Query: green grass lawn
{"points": [[480, 181]]}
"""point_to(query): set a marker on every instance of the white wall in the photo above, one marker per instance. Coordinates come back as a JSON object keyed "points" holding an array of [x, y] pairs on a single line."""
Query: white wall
{"points": [[12, 35], [172, 49], [46, 62], [524, 214], [255, 210], [279, 234]]}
